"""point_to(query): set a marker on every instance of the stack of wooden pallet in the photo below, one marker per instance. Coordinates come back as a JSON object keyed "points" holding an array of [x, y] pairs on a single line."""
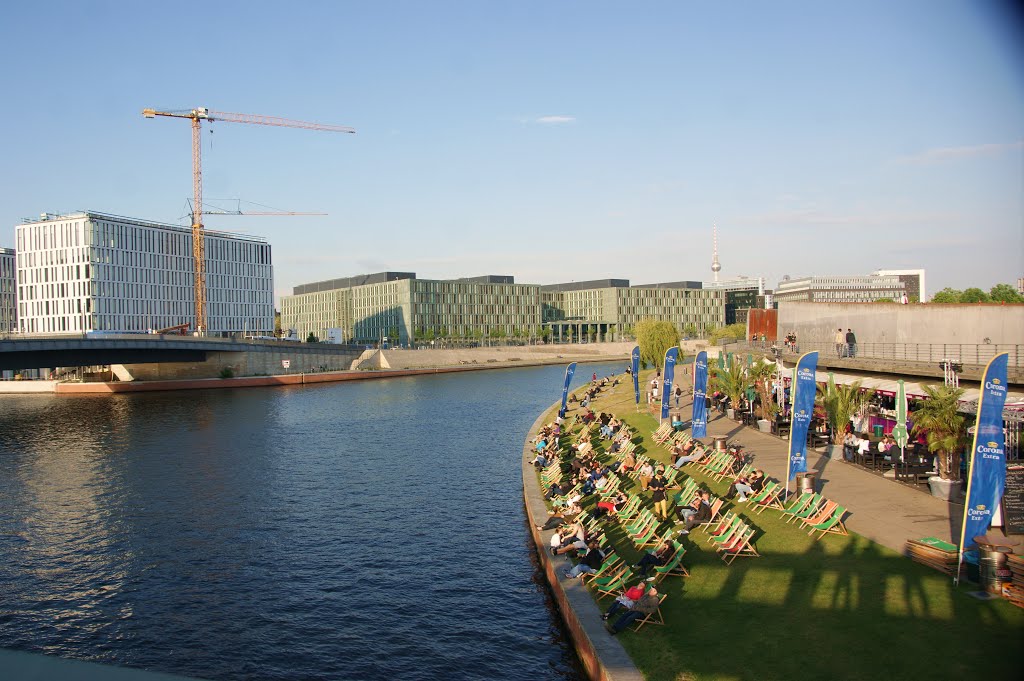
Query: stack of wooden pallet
{"points": [[1013, 591], [934, 553]]}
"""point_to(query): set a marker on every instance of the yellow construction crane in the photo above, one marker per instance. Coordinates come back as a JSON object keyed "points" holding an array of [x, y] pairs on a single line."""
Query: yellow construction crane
{"points": [[198, 115]]}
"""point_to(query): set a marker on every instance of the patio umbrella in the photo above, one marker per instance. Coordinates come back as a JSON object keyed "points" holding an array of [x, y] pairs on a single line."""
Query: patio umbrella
{"points": [[899, 431]]}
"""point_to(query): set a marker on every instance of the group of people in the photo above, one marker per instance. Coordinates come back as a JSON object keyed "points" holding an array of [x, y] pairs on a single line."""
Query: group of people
{"points": [[790, 342], [846, 343]]}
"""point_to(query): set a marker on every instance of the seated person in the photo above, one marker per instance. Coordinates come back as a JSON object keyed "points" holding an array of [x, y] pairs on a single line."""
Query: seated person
{"points": [[656, 558], [702, 513], [626, 465], [612, 506], [849, 446], [590, 563], [687, 454], [643, 606], [626, 599], [747, 486], [863, 446]]}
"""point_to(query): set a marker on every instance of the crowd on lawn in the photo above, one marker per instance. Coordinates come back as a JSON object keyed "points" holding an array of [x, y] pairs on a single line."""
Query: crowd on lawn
{"points": [[584, 486]]}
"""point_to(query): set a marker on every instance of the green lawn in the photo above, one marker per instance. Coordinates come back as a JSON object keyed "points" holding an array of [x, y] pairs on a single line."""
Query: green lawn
{"points": [[838, 608]]}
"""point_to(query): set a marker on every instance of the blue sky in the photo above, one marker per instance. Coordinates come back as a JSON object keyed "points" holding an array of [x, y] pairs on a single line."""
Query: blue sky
{"points": [[553, 141]]}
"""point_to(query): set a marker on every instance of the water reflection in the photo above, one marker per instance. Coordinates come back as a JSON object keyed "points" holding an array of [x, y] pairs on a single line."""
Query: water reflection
{"points": [[362, 530]]}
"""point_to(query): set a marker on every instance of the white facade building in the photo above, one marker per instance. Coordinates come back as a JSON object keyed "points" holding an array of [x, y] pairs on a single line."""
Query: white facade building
{"points": [[840, 289], [913, 281], [8, 292], [97, 272]]}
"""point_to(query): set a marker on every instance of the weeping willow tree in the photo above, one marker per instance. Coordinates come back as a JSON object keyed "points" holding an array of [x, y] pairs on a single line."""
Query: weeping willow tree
{"points": [[840, 403], [655, 338]]}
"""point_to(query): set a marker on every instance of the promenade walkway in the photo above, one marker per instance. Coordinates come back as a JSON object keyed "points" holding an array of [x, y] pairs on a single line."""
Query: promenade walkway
{"points": [[881, 509]]}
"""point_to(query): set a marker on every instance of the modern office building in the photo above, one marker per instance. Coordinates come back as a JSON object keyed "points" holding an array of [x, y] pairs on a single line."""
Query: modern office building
{"points": [[913, 282], [741, 295], [839, 289], [92, 271], [606, 309], [399, 308], [8, 292]]}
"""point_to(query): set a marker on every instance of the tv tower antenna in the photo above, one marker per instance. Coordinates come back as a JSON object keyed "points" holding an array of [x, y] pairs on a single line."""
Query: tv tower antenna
{"points": [[716, 266]]}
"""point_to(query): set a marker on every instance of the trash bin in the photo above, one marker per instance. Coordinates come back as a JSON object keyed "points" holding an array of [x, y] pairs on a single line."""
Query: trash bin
{"points": [[878, 430], [992, 566], [720, 443], [805, 481]]}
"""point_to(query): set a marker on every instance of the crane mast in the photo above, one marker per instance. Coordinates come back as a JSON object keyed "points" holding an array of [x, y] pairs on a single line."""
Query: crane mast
{"points": [[196, 116]]}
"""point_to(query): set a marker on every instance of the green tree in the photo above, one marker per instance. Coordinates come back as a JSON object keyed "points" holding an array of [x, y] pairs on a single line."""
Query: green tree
{"points": [[947, 295], [974, 295], [840, 403], [311, 338], [885, 300], [690, 330], [545, 333], [1004, 293], [732, 380], [939, 418], [762, 374], [655, 338]]}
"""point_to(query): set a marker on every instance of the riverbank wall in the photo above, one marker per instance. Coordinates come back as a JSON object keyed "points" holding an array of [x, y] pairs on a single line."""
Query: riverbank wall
{"points": [[374, 365], [602, 656]]}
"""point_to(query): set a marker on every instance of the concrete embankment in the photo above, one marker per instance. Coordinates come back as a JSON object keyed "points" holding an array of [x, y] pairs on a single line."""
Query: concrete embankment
{"points": [[602, 656], [374, 364]]}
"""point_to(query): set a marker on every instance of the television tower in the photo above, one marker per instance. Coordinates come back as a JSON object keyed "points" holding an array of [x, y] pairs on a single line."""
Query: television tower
{"points": [[716, 266]]}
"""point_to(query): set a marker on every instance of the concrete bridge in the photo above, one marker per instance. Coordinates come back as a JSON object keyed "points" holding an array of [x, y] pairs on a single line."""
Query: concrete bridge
{"points": [[251, 356]]}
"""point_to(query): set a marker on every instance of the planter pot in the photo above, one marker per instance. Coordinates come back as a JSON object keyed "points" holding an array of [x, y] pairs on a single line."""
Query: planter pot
{"points": [[731, 413], [949, 490], [764, 425]]}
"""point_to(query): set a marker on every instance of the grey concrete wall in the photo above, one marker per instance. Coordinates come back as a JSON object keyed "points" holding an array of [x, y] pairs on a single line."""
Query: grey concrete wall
{"points": [[894, 323], [245, 364], [412, 359]]}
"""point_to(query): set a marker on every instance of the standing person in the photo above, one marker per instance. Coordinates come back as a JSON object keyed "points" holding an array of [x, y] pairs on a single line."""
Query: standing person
{"points": [[679, 395], [593, 379], [658, 494], [645, 474], [851, 343], [840, 341]]}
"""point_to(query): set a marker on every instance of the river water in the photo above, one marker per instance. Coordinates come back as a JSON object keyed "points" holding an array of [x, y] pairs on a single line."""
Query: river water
{"points": [[361, 530]]}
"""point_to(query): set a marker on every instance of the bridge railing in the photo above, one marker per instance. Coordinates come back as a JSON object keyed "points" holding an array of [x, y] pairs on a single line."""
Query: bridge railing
{"points": [[930, 353]]}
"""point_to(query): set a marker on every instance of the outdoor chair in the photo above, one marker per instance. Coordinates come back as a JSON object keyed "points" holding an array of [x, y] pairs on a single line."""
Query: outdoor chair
{"points": [[653, 618], [743, 546], [832, 524]]}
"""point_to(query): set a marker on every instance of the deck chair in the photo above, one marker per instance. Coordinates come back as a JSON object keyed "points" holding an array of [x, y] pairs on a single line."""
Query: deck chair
{"points": [[615, 583], [821, 515], [674, 567], [654, 618], [833, 524], [662, 433], [716, 508], [807, 510], [743, 546], [726, 531], [768, 497], [612, 562]]}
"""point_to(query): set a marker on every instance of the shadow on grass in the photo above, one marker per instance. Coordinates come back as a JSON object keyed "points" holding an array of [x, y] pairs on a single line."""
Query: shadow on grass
{"points": [[842, 607]]}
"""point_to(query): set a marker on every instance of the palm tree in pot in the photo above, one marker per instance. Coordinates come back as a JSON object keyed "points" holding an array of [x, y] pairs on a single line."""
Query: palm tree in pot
{"points": [[840, 403], [762, 374], [732, 381], [945, 433]]}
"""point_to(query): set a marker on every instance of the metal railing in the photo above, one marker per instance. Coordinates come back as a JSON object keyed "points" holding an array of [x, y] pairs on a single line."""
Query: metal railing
{"points": [[932, 353]]}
